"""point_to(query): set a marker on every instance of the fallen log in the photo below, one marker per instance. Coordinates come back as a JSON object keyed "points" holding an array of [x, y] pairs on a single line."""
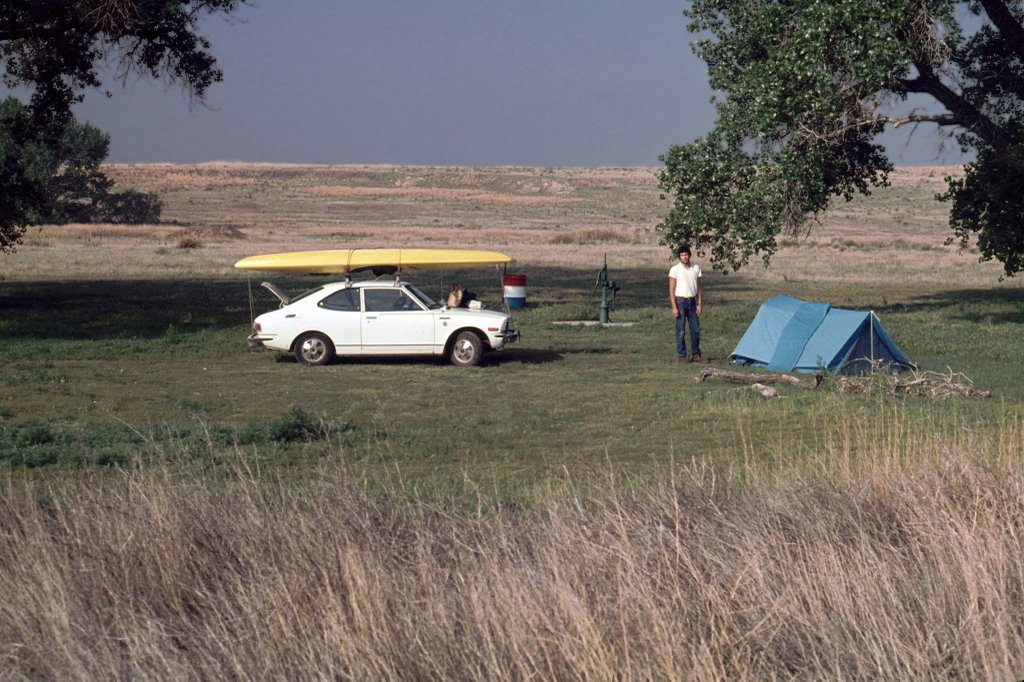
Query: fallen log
{"points": [[741, 378]]}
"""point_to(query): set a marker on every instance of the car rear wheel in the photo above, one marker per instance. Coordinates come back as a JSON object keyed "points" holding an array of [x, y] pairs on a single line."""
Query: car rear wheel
{"points": [[314, 349], [467, 350]]}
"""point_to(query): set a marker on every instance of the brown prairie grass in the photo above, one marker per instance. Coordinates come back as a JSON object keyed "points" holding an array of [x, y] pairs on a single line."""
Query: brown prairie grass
{"points": [[598, 235], [437, 194], [898, 570], [565, 217]]}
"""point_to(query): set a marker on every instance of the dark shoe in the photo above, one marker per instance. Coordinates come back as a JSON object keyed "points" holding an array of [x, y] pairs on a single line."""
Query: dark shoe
{"points": [[681, 359], [695, 358]]}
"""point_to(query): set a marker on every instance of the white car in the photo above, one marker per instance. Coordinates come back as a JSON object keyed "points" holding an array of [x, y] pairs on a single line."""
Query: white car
{"points": [[378, 317]]}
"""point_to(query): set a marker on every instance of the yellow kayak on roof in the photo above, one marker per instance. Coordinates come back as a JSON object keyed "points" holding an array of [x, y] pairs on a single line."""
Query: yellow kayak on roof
{"points": [[345, 261]]}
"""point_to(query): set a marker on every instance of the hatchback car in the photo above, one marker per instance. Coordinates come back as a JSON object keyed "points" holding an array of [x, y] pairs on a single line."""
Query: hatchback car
{"points": [[378, 317]]}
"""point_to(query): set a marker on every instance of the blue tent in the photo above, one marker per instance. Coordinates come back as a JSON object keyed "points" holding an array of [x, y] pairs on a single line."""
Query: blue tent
{"points": [[788, 335]]}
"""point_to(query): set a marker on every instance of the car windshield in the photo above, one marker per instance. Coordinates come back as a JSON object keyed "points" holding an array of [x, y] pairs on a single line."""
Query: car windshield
{"points": [[426, 300]]}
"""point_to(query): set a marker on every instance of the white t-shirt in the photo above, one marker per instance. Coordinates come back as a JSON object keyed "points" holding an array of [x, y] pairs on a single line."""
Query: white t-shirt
{"points": [[686, 279]]}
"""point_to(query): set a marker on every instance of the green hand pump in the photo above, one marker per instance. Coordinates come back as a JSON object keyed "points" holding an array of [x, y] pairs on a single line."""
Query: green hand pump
{"points": [[608, 289]]}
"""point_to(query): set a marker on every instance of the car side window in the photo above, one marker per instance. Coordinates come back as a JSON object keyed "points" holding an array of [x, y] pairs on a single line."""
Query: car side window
{"points": [[343, 299], [379, 300]]}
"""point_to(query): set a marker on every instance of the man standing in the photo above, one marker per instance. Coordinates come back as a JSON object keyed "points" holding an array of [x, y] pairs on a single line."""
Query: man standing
{"points": [[684, 293]]}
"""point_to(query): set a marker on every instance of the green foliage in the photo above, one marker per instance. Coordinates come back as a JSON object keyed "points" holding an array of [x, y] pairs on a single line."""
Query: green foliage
{"points": [[49, 162], [54, 171], [54, 46], [988, 201], [65, 166], [37, 442], [295, 426], [47, 442], [733, 204], [129, 207], [18, 194], [805, 88]]}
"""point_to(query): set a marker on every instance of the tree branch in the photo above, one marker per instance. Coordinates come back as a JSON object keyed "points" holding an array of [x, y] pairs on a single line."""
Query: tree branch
{"points": [[1006, 24], [937, 119], [109, 15], [961, 111], [35, 32]]}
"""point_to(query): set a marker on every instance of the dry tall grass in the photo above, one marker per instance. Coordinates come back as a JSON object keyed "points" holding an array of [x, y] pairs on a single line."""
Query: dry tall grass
{"points": [[909, 565]]}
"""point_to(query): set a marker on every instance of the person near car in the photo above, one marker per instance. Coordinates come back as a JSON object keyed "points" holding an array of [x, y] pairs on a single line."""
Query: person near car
{"points": [[684, 293], [455, 297]]}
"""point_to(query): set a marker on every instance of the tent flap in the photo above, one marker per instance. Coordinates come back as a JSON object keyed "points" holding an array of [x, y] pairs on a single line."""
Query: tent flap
{"points": [[797, 334]]}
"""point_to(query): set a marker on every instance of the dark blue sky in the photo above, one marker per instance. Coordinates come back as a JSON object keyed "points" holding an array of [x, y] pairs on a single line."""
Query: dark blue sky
{"points": [[445, 82]]}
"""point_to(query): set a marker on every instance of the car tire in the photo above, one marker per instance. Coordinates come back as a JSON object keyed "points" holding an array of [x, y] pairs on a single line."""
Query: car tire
{"points": [[314, 348], [467, 350]]}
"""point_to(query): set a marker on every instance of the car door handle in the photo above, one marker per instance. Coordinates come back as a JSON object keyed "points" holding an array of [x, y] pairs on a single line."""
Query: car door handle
{"points": [[371, 317]]}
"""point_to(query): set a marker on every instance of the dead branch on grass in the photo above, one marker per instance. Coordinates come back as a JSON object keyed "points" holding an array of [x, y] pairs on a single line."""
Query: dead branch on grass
{"points": [[918, 383], [766, 392], [922, 384], [741, 378]]}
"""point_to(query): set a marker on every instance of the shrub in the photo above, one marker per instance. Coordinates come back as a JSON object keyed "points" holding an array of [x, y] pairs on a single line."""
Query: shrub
{"points": [[297, 425], [129, 208]]}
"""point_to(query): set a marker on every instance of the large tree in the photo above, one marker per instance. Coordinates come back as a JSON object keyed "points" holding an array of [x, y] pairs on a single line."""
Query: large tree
{"points": [[61, 173], [806, 86], [56, 48]]}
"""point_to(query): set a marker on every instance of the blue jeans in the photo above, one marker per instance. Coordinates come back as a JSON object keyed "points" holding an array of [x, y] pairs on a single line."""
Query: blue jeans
{"points": [[687, 313]]}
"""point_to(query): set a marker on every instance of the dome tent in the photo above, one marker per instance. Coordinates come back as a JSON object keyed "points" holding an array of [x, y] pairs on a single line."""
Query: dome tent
{"points": [[788, 335]]}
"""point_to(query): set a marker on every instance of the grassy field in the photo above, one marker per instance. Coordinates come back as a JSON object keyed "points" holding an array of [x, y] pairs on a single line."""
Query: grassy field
{"points": [[121, 343], [130, 406]]}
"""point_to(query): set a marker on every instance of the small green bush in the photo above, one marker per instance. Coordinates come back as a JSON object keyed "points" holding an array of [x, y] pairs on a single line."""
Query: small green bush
{"points": [[297, 426], [35, 433]]}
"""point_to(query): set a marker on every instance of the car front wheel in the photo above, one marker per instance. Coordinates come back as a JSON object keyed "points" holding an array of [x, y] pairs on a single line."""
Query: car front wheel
{"points": [[467, 350], [314, 349]]}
